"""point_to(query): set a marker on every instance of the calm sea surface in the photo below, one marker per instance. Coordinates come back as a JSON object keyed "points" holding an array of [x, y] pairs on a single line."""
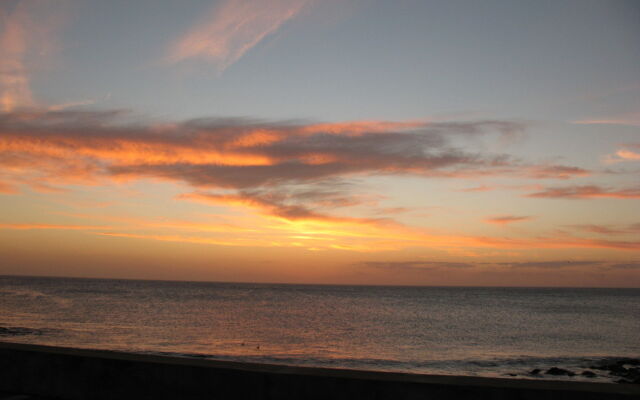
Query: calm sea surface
{"points": [[462, 331]]}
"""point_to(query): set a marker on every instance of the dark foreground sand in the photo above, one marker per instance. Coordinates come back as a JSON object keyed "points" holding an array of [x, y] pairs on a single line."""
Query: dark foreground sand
{"points": [[18, 396], [64, 373]]}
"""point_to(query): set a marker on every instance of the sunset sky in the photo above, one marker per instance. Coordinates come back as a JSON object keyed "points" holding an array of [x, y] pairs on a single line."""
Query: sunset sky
{"points": [[490, 143]]}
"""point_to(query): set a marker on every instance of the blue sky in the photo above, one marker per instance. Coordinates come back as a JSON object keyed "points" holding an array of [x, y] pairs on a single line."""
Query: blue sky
{"points": [[550, 60]]}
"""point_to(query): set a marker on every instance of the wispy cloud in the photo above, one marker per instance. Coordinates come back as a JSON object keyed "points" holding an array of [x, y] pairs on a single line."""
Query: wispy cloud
{"points": [[556, 172], [586, 192], [506, 219], [630, 119], [28, 33], [232, 28], [607, 229], [14, 80], [71, 104], [527, 174]]}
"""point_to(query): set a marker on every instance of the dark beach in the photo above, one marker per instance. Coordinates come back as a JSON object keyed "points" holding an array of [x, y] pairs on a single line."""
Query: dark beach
{"points": [[65, 373]]}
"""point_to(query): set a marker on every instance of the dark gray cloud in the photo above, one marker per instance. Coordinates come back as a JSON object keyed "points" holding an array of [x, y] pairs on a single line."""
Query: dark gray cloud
{"points": [[415, 265], [288, 204], [556, 264], [233, 176], [242, 153], [552, 264], [626, 266], [607, 229]]}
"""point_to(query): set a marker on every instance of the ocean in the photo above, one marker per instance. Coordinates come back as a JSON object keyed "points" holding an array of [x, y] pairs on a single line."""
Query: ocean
{"points": [[497, 332]]}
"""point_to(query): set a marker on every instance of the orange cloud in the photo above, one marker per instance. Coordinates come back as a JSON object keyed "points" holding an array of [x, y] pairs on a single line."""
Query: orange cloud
{"points": [[126, 151], [506, 219], [628, 155], [232, 28], [624, 155], [362, 127], [586, 192]]}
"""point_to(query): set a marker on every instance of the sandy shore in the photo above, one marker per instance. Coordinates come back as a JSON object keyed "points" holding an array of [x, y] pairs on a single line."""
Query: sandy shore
{"points": [[67, 373]]}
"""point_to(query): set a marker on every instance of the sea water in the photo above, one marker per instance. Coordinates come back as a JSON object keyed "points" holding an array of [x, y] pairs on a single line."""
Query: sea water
{"points": [[437, 330]]}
